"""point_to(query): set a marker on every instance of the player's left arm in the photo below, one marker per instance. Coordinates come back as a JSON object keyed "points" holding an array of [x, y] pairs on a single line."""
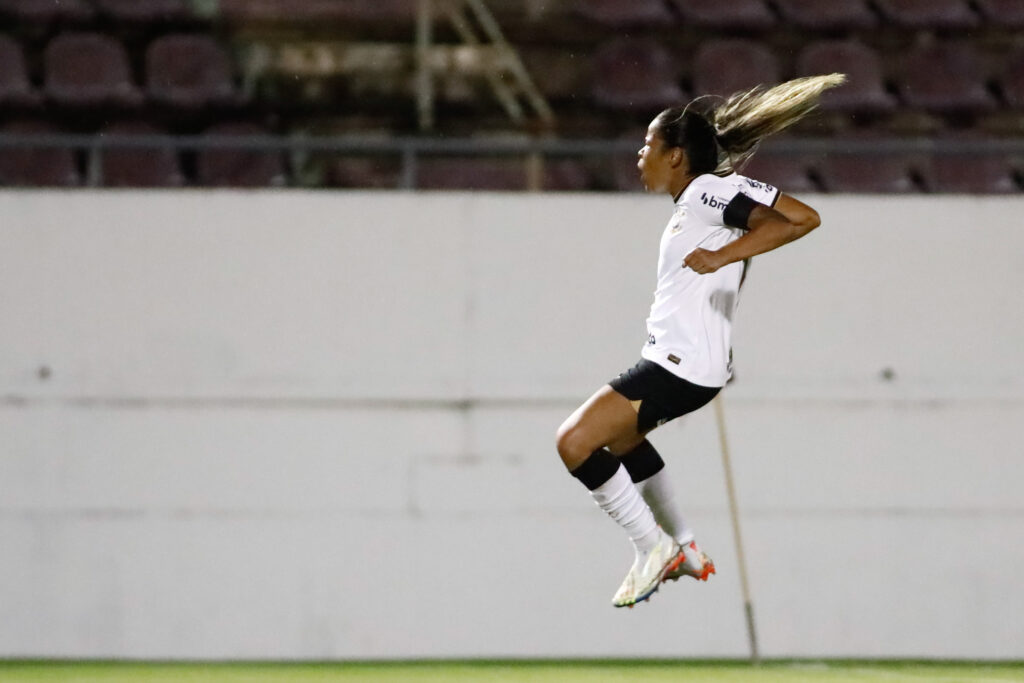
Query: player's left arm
{"points": [[767, 228]]}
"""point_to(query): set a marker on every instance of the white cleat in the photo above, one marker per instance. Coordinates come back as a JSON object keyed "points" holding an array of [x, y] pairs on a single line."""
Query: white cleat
{"points": [[695, 563], [648, 571]]}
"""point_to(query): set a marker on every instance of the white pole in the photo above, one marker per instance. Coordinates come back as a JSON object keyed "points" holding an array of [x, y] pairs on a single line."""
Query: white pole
{"points": [[748, 604]]}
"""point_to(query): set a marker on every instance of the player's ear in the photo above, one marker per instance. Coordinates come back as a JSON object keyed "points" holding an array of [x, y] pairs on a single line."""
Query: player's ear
{"points": [[677, 157]]}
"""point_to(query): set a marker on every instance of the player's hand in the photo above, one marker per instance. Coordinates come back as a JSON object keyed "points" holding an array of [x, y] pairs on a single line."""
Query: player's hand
{"points": [[703, 261]]}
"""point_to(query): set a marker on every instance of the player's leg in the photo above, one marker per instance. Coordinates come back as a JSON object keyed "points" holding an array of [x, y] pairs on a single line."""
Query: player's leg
{"points": [[608, 419], [647, 470], [658, 397]]}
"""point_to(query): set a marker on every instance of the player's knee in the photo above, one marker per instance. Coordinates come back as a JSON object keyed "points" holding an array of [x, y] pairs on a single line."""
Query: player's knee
{"points": [[572, 444]]}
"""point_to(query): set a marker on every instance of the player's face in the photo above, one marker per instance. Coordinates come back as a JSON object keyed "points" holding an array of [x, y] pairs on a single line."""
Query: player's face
{"points": [[654, 162]]}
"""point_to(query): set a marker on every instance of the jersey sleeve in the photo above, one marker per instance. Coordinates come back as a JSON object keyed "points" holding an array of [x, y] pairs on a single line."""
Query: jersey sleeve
{"points": [[709, 197], [759, 191]]}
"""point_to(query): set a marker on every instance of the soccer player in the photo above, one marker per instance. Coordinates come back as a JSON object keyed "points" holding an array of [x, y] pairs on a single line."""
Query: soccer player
{"points": [[720, 220]]}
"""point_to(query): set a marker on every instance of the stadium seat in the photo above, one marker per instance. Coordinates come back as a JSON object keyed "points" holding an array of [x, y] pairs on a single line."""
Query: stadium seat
{"points": [[318, 11], [145, 11], [971, 174], [723, 67], [817, 15], [944, 78], [867, 173], [378, 173], [15, 87], [139, 167], [619, 14], [557, 72], [37, 166], [791, 173], [1002, 13], [929, 14], [566, 175], [744, 15], [189, 71], [471, 173], [624, 175], [239, 167], [1011, 82], [88, 70], [632, 74], [46, 11], [864, 89]]}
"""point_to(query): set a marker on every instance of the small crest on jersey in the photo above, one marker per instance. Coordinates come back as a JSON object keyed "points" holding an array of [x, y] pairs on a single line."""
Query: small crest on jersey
{"points": [[673, 358], [677, 219]]}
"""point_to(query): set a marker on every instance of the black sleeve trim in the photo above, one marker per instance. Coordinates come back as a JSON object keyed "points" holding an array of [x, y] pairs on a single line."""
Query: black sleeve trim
{"points": [[737, 213], [775, 199]]}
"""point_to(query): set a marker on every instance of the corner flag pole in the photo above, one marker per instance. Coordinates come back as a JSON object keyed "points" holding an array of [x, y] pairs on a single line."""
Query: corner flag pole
{"points": [[748, 605]]}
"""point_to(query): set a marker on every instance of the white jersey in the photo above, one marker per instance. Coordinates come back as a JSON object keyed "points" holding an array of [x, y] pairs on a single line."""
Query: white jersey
{"points": [[690, 326]]}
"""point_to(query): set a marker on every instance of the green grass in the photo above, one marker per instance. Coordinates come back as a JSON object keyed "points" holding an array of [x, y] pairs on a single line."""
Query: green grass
{"points": [[507, 671]]}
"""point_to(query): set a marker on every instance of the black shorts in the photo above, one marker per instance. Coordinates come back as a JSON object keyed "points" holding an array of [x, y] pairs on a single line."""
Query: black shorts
{"points": [[662, 395]]}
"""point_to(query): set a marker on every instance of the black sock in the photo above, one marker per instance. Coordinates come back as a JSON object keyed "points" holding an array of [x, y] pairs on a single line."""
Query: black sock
{"points": [[642, 462], [598, 468]]}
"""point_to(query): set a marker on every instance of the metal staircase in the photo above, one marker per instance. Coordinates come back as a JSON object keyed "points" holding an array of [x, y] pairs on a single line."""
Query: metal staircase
{"points": [[482, 53]]}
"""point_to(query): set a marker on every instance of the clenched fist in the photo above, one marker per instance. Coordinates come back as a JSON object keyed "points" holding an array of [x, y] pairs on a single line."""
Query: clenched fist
{"points": [[703, 261]]}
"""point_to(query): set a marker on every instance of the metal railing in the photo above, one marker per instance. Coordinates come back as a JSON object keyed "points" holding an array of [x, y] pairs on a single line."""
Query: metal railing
{"points": [[411, 149]]}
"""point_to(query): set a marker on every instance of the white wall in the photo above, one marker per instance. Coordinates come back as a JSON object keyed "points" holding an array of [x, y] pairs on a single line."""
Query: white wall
{"points": [[292, 424]]}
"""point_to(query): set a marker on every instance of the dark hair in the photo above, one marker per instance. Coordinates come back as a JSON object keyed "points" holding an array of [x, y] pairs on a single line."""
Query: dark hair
{"points": [[723, 137], [683, 127]]}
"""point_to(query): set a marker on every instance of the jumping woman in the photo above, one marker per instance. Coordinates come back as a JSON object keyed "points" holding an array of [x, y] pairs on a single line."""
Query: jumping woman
{"points": [[720, 220]]}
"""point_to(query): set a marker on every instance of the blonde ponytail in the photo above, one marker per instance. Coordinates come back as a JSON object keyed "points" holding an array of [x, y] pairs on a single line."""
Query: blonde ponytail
{"points": [[746, 118]]}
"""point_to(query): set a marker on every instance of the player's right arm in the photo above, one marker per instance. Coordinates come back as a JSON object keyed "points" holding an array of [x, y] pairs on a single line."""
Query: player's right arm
{"points": [[799, 214], [767, 228]]}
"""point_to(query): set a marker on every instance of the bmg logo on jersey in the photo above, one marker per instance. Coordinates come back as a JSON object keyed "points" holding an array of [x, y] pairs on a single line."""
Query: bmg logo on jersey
{"points": [[713, 202]]}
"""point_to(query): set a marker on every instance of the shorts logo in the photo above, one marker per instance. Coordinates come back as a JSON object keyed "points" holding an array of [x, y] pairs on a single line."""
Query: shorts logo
{"points": [[673, 358]]}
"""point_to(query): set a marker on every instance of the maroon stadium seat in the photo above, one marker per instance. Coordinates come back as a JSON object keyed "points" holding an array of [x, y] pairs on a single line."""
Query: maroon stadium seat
{"points": [[617, 13], [819, 15], [239, 167], [928, 14], [189, 71], [1012, 81], [723, 67], [471, 173], [747, 15], [88, 70], [379, 173], [557, 72], [975, 173], [136, 166], [791, 173], [1003, 13], [37, 166], [318, 11], [944, 78], [864, 89], [566, 175], [145, 11], [867, 173], [45, 11], [624, 175], [632, 74], [15, 88]]}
